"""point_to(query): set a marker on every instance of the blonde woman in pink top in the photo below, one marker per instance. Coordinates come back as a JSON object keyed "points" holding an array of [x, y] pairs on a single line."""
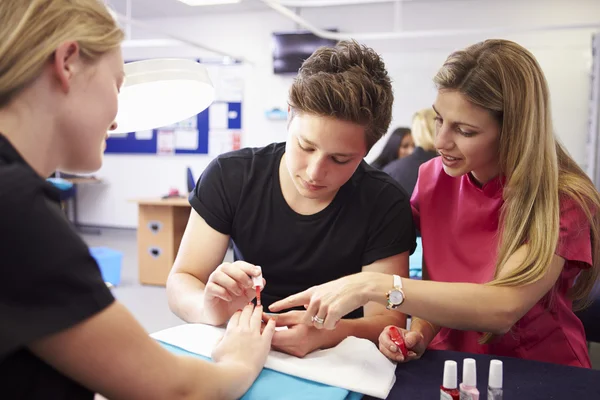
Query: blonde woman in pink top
{"points": [[508, 223]]}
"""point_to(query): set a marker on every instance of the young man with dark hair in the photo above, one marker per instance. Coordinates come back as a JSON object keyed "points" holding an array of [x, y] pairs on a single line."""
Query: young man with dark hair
{"points": [[306, 211]]}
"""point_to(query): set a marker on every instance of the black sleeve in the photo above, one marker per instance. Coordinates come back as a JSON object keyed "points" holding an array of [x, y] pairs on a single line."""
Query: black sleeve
{"points": [[48, 279], [392, 170], [214, 197], [391, 229], [399, 172]]}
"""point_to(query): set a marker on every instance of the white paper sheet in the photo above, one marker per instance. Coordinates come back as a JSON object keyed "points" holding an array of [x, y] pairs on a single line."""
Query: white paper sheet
{"points": [[165, 142], [218, 116], [186, 139], [144, 135], [219, 142], [355, 364]]}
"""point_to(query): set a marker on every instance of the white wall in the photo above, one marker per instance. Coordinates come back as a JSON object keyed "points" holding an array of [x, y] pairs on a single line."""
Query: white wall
{"points": [[564, 55]]}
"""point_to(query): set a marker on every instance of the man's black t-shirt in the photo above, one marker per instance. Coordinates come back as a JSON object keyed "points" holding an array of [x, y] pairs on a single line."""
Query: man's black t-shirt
{"points": [[370, 218], [48, 281]]}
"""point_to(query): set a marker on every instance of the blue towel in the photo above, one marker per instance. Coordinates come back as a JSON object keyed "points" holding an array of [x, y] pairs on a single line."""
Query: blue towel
{"points": [[273, 385]]}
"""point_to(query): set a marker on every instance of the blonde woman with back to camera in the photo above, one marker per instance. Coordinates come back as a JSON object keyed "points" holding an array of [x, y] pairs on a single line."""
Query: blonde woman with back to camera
{"points": [[509, 224], [63, 334]]}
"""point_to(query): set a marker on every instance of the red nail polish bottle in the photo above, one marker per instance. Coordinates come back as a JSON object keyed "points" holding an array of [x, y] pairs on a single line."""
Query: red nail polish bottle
{"points": [[257, 282], [398, 341], [449, 388]]}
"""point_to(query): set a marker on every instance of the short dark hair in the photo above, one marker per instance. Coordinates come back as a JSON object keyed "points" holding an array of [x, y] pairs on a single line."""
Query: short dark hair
{"points": [[348, 82]]}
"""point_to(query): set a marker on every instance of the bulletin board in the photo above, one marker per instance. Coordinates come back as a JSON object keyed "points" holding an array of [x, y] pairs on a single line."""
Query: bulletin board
{"points": [[190, 136], [214, 131]]}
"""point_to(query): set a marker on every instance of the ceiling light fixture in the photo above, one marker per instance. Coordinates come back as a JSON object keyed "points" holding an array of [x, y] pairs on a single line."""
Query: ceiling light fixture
{"points": [[209, 2], [161, 92]]}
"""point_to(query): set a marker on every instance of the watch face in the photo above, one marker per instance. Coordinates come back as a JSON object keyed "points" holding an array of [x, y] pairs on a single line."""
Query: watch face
{"points": [[396, 297]]}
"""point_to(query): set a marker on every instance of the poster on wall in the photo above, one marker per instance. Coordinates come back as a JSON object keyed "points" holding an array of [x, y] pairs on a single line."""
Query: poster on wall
{"points": [[165, 142], [593, 142], [224, 140]]}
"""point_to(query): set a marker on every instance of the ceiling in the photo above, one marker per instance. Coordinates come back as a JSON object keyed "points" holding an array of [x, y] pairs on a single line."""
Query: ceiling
{"points": [[146, 9]]}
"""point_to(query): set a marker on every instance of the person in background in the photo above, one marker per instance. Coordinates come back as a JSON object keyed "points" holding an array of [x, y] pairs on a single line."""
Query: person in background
{"points": [[306, 211], [62, 334], [509, 224], [399, 145], [405, 170]]}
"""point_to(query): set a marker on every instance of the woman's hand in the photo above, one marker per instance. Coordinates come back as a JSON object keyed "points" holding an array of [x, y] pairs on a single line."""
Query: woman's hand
{"points": [[414, 341], [245, 344], [326, 304]]}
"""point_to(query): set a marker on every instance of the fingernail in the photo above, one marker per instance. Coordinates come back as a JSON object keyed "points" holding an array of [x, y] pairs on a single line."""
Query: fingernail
{"points": [[239, 309], [250, 303], [257, 271], [393, 349]]}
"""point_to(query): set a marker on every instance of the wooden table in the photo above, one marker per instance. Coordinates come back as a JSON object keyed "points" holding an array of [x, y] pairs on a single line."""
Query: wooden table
{"points": [[161, 223]]}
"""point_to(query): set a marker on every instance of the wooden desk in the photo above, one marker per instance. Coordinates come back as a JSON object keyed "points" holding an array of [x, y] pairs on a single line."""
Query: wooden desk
{"points": [[82, 179], [161, 223]]}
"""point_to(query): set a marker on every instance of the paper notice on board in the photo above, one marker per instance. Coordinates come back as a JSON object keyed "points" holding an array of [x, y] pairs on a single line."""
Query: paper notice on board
{"points": [[230, 83], [144, 135], [218, 116], [223, 141], [165, 142], [219, 141], [186, 139]]}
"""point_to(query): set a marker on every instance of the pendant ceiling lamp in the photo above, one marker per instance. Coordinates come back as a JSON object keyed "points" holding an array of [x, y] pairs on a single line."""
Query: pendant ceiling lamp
{"points": [[161, 92]]}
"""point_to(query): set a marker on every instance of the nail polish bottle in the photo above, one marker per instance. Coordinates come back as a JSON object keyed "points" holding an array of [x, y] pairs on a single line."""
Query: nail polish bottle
{"points": [[398, 341], [468, 387], [448, 390], [495, 380], [257, 283]]}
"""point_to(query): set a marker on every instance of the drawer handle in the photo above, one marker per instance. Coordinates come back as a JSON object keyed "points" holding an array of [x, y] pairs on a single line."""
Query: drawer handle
{"points": [[154, 252], [155, 226]]}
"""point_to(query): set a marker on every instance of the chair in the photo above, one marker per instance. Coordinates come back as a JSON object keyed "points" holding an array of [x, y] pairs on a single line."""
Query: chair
{"points": [[191, 183], [67, 192]]}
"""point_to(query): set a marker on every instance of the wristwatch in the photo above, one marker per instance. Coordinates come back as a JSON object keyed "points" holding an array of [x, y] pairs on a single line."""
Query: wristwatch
{"points": [[395, 297]]}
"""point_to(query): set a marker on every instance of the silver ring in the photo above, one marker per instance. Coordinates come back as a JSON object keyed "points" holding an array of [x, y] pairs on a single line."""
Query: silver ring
{"points": [[318, 320]]}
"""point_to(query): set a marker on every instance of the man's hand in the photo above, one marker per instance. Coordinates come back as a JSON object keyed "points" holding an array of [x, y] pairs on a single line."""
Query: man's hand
{"points": [[231, 284], [299, 339]]}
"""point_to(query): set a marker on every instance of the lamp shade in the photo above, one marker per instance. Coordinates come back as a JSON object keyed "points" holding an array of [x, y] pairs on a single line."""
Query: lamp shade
{"points": [[162, 92]]}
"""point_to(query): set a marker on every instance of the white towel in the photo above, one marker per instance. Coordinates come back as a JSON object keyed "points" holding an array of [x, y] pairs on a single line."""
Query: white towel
{"points": [[354, 364]]}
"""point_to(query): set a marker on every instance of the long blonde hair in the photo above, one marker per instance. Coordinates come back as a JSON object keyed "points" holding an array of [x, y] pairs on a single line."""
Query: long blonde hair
{"points": [[31, 30], [423, 129], [504, 78]]}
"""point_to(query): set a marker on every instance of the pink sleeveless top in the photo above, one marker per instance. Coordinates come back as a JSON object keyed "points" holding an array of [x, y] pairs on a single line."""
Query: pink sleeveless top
{"points": [[459, 221]]}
